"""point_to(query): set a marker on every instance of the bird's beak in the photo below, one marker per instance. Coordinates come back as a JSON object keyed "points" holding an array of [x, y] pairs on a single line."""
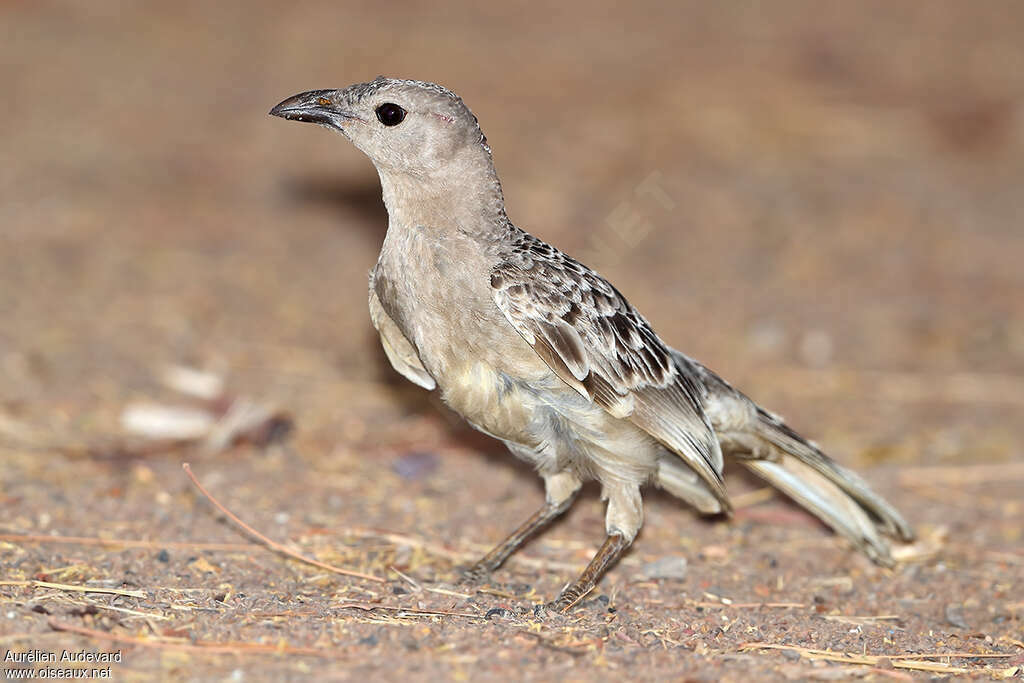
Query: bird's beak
{"points": [[315, 106]]}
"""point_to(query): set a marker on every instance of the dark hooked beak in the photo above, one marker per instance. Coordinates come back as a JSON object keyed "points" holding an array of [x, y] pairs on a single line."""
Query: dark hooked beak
{"points": [[315, 106]]}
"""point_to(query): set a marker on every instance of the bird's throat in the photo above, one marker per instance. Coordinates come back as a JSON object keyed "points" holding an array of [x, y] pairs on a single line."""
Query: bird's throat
{"points": [[467, 201]]}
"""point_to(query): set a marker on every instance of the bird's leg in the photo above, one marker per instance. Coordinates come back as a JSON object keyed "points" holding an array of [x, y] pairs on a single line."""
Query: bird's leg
{"points": [[623, 520], [561, 492], [611, 549], [492, 560]]}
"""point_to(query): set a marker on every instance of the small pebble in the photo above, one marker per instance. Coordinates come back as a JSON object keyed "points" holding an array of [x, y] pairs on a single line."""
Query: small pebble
{"points": [[666, 568], [415, 465], [498, 612], [955, 615]]}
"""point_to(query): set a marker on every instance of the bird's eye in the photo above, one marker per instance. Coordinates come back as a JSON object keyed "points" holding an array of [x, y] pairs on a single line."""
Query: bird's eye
{"points": [[390, 114]]}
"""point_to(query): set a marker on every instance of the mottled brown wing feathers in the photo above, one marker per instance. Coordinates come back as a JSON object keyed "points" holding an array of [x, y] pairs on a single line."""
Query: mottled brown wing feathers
{"points": [[595, 341]]}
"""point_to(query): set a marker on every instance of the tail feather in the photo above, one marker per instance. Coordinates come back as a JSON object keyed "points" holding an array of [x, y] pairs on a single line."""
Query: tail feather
{"points": [[824, 499], [773, 451], [776, 432]]}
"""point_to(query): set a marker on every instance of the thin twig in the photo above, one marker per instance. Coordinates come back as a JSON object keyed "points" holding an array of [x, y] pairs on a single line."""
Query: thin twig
{"points": [[444, 591], [79, 589], [196, 646], [1014, 641], [411, 611], [499, 593], [898, 675], [274, 544], [418, 588], [913, 662], [124, 542], [858, 620], [829, 653], [125, 610], [751, 605]]}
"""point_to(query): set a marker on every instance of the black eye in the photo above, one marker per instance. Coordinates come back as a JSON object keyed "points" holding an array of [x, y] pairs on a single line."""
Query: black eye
{"points": [[390, 114]]}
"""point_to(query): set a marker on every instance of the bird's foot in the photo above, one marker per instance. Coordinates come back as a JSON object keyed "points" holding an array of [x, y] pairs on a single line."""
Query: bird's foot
{"points": [[476, 575], [563, 603]]}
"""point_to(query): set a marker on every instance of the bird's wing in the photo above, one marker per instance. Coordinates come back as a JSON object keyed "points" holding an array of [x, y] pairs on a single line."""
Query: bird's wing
{"points": [[596, 342], [399, 350]]}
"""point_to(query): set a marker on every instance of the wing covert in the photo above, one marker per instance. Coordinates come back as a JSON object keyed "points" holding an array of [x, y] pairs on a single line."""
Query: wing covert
{"points": [[596, 342]]}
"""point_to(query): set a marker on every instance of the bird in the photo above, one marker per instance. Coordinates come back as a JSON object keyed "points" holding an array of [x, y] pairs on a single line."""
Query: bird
{"points": [[537, 350]]}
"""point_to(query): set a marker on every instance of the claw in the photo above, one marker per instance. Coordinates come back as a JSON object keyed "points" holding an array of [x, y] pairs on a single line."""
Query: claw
{"points": [[563, 603], [474, 576]]}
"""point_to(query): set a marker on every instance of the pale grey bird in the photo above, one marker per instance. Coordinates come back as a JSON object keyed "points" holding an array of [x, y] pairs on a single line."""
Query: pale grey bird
{"points": [[539, 351]]}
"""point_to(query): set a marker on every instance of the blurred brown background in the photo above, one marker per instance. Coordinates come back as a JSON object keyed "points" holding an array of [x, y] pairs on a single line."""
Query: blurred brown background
{"points": [[822, 201]]}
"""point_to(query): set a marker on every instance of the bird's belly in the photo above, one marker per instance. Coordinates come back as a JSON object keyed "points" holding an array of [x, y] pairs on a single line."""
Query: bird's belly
{"points": [[551, 426], [511, 409]]}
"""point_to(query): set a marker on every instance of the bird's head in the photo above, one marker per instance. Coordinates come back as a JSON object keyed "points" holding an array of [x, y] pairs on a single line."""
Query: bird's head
{"points": [[406, 127]]}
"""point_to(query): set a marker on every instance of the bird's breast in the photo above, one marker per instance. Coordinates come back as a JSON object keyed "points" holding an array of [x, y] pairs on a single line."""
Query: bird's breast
{"points": [[436, 288]]}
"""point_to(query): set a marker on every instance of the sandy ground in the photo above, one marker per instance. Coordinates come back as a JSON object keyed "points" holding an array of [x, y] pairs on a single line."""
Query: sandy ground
{"points": [[821, 202]]}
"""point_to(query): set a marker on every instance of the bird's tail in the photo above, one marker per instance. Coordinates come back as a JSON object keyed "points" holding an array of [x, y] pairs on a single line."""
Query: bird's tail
{"points": [[836, 495]]}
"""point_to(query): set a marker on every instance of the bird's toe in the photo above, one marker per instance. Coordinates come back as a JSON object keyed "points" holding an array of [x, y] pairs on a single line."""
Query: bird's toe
{"points": [[474, 576]]}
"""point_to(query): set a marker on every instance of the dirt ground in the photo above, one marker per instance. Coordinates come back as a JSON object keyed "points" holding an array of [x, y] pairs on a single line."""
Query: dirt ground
{"points": [[821, 201]]}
